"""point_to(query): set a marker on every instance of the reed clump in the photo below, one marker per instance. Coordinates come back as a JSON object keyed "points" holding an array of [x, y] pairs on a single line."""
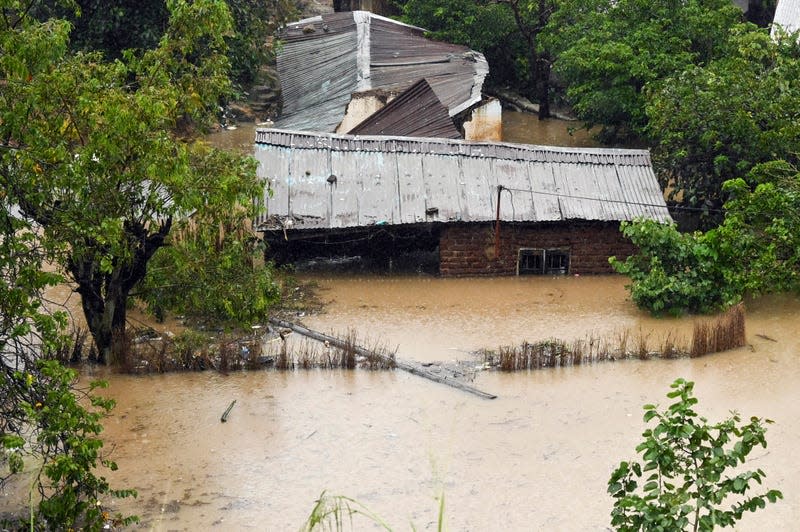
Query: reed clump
{"points": [[724, 333], [340, 353], [709, 336]]}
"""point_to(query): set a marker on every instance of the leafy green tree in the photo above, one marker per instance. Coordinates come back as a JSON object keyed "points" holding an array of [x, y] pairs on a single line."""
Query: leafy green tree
{"points": [[507, 32], [608, 51], [213, 268], [714, 122], [759, 242], [252, 45], [675, 272], [113, 26], [690, 469], [488, 27], [42, 421], [101, 156]]}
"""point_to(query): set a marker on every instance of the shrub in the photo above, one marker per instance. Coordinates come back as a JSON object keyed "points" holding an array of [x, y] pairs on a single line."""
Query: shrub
{"points": [[685, 461]]}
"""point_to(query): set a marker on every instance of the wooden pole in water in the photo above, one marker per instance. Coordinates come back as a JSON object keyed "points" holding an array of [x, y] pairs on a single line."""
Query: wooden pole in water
{"points": [[224, 417], [411, 367]]}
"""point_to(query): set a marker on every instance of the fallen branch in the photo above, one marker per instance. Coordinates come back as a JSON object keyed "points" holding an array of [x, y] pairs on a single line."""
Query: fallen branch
{"points": [[411, 367]]}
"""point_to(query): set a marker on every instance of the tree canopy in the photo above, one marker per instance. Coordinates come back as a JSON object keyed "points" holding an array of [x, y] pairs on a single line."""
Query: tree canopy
{"points": [[715, 122], [610, 50], [101, 156]]}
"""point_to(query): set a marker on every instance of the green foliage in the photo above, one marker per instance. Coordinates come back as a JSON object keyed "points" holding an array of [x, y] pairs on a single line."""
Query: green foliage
{"points": [[67, 441], [690, 471], [714, 122], [488, 27], [213, 271], [41, 417], [759, 241], [674, 272], [611, 50], [102, 155], [250, 46], [112, 27], [334, 512]]}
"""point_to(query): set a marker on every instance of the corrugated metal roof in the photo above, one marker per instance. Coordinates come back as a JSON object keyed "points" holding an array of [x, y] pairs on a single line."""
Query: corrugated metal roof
{"points": [[322, 181], [325, 59], [417, 112], [787, 15]]}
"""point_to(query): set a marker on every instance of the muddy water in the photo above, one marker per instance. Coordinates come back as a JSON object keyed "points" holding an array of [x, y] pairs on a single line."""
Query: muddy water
{"points": [[536, 458], [523, 128]]}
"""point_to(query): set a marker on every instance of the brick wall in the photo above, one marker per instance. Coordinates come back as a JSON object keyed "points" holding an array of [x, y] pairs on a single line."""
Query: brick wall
{"points": [[469, 249]]}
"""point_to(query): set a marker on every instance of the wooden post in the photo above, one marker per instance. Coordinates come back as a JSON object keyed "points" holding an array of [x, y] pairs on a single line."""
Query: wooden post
{"points": [[497, 225]]}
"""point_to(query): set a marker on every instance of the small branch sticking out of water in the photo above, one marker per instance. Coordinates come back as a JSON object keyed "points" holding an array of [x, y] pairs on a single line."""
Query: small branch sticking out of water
{"points": [[224, 417]]}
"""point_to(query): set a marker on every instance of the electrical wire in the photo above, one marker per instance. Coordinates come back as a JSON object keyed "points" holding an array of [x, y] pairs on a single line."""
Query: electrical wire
{"points": [[640, 204]]}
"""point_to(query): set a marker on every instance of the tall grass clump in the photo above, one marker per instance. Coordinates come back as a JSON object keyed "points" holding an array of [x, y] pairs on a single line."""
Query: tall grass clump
{"points": [[709, 336]]}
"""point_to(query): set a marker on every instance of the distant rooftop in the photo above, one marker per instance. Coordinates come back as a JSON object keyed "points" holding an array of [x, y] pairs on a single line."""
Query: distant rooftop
{"points": [[326, 59], [327, 181]]}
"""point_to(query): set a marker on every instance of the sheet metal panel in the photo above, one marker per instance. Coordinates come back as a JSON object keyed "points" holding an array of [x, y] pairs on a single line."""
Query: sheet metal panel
{"points": [[543, 189], [309, 197], [273, 166], [787, 16], [609, 188], [346, 191], [441, 178], [378, 204], [396, 180], [478, 188], [413, 200], [515, 203], [324, 60], [417, 112]]}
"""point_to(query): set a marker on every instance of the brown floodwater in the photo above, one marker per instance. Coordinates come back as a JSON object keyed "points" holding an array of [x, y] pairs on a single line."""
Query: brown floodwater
{"points": [[536, 458], [523, 128]]}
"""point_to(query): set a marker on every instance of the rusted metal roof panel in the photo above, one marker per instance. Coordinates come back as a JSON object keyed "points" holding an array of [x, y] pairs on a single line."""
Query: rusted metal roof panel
{"points": [[338, 181], [417, 112], [325, 59]]}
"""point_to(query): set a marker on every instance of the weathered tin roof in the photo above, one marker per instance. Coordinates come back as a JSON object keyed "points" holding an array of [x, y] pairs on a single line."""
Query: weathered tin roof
{"points": [[327, 58], [416, 112], [325, 181], [787, 15]]}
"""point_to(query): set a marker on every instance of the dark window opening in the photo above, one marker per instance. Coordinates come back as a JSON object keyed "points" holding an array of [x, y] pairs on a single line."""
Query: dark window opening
{"points": [[532, 261]]}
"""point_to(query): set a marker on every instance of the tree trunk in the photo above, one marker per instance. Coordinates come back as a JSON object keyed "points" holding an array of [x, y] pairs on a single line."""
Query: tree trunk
{"points": [[104, 295], [543, 87]]}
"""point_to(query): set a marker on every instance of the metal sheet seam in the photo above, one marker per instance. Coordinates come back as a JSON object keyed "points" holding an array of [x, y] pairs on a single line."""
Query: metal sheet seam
{"points": [[363, 54]]}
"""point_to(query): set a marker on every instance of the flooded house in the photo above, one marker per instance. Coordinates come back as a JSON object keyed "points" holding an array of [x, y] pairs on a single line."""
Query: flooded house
{"points": [[481, 208], [339, 69]]}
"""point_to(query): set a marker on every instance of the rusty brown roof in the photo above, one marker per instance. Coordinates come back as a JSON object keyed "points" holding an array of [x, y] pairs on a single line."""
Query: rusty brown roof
{"points": [[326, 181], [326, 59], [416, 112]]}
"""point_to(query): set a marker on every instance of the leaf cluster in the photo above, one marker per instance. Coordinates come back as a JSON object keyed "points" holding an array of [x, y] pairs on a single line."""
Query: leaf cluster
{"points": [[674, 272], [486, 26], [43, 416], [690, 476], [717, 121], [609, 51]]}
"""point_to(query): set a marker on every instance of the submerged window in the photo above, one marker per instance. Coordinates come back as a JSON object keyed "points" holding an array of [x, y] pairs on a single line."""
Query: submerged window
{"points": [[534, 261]]}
